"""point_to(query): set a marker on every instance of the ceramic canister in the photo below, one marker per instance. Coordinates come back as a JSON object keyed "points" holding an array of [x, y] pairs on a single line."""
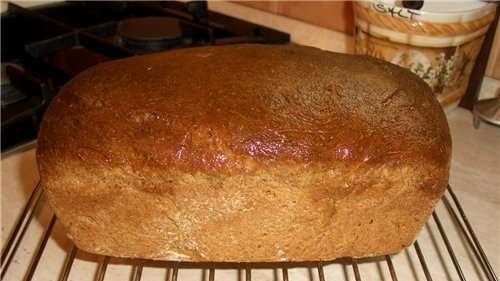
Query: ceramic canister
{"points": [[439, 43]]}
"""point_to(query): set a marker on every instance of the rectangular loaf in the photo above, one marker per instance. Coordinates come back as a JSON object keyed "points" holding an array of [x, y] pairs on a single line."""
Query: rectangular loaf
{"points": [[244, 153]]}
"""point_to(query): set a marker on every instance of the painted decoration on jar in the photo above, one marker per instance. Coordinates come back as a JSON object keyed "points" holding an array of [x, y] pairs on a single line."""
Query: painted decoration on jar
{"points": [[439, 47]]}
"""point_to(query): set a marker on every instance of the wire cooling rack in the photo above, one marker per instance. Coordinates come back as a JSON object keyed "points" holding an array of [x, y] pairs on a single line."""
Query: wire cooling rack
{"points": [[433, 258]]}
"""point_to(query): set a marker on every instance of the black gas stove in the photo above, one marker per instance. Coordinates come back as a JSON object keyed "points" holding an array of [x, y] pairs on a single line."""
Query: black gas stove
{"points": [[44, 47]]}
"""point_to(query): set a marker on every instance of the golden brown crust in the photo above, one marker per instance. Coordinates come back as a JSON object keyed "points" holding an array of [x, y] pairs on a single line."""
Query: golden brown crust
{"points": [[214, 109], [248, 111]]}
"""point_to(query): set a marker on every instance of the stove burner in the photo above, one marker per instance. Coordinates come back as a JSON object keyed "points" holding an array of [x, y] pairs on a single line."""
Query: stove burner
{"points": [[150, 34], [9, 94]]}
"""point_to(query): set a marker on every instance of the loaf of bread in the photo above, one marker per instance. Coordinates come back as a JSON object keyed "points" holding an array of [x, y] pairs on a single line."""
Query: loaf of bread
{"points": [[244, 153]]}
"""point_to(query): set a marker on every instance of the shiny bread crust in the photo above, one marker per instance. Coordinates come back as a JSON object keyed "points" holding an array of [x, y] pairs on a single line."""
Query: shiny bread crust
{"points": [[244, 153]]}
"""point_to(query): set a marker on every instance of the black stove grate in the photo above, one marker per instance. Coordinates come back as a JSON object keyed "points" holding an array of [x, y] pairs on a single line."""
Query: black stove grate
{"points": [[51, 44]]}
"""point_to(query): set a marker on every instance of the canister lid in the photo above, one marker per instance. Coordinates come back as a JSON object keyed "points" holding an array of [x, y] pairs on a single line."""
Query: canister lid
{"points": [[441, 11], [443, 6]]}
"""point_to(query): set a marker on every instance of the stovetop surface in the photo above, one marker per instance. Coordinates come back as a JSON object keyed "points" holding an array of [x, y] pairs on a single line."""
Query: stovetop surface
{"points": [[42, 48]]}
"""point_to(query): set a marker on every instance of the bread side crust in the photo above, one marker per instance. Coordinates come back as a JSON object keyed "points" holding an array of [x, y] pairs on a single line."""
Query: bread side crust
{"points": [[288, 214]]}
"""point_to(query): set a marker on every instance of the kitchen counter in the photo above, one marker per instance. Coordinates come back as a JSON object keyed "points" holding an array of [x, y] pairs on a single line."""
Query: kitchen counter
{"points": [[474, 177]]}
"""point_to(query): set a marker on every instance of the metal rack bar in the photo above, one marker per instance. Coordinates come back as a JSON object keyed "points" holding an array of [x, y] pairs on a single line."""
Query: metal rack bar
{"points": [[483, 259], [68, 264], [248, 274], [137, 272], [355, 268], [175, 271], [20, 228], [467, 236], [285, 274], [422, 261], [101, 271], [448, 247], [34, 197], [169, 273], [392, 270], [39, 251], [211, 275], [321, 272]]}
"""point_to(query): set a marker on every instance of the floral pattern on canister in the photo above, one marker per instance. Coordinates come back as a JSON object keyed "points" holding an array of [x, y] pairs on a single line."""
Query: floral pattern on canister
{"points": [[445, 66], [442, 72]]}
